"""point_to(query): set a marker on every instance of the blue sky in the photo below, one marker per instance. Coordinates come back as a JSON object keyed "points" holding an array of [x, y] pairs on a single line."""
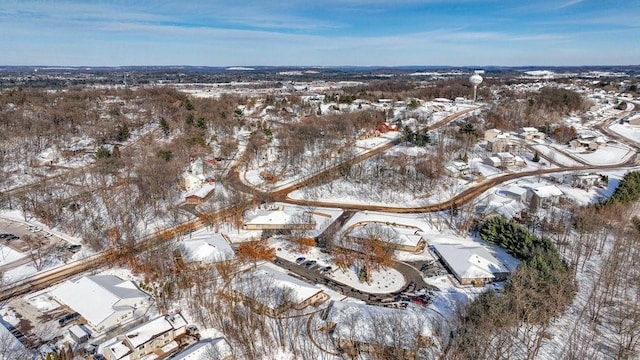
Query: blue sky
{"points": [[320, 32]]}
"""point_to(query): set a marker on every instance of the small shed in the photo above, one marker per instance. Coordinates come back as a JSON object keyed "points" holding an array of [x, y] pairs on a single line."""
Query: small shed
{"points": [[79, 334]]}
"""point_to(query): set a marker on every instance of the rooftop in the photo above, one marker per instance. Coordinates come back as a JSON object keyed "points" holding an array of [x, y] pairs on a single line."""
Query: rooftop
{"points": [[470, 262], [209, 248], [95, 297]]}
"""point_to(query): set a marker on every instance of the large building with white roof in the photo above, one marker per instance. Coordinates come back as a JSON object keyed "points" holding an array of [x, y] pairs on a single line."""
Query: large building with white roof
{"points": [[104, 301], [157, 337], [471, 265], [403, 238], [278, 218], [272, 291]]}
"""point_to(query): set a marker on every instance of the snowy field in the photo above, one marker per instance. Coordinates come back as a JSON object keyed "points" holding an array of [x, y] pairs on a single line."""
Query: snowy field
{"points": [[555, 155], [610, 155], [630, 132]]}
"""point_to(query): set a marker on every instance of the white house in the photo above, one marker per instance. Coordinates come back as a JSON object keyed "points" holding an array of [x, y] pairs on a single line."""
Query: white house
{"points": [[545, 194], [272, 291], [104, 301], [156, 336], [471, 265], [456, 168], [194, 177], [206, 249], [516, 193], [531, 133]]}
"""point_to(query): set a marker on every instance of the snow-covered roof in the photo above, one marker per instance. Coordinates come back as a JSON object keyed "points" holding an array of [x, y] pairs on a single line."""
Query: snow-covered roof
{"points": [[117, 348], [78, 331], [207, 248], [10, 344], [516, 190], [470, 262], [547, 191], [276, 216], [207, 349], [272, 287], [153, 328], [94, 297], [376, 324], [202, 191], [394, 234]]}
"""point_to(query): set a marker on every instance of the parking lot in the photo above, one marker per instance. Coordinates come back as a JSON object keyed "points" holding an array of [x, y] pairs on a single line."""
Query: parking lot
{"points": [[312, 272], [25, 239]]}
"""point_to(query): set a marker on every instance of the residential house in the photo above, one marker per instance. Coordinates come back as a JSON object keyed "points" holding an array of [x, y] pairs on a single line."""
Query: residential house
{"points": [[586, 181], [531, 133], [501, 143], [159, 337], [505, 160], [471, 265], [516, 193], [588, 140], [456, 168], [545, 195], [205, 250], [104, 301], [491, 133], [270, 291], [194, 177], [200, 194]]}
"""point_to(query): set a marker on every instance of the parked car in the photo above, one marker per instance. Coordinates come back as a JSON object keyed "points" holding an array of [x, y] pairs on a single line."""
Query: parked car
{"points": [[420, 301], [310, 264], [74, 248], [67, 319], [326, 269], [300, 260]]}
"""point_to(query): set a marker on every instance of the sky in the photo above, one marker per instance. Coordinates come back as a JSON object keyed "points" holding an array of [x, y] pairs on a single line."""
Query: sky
{"points": [[319, 32]]}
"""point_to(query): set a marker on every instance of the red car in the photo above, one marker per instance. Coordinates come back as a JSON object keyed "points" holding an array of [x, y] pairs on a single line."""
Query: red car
{"points": [[420, 301]]}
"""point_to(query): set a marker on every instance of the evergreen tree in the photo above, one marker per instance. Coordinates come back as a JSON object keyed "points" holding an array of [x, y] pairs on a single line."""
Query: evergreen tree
{"points": [[536, 157]]}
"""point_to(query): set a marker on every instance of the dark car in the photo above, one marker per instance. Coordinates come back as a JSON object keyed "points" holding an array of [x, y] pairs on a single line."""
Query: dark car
{"points": [[300, 260], [74, 248], [310, 264], [67, 319], [326, 269]]}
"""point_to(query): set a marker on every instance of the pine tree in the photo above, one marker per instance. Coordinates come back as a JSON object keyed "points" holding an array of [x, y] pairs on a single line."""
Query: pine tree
{"points": [[536, 157]]}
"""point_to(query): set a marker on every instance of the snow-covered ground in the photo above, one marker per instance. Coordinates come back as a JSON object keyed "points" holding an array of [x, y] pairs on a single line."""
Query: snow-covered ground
{"points": [[610, 155], [380, 281], [8, 255], [555, 155], [631, 132]]}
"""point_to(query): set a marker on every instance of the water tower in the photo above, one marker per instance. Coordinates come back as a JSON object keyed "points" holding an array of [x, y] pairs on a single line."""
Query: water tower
{"points": [[475, 80]]}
